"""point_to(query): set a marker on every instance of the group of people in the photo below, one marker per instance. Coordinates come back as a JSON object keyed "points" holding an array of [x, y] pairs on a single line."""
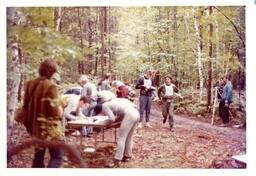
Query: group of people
{"points": [[165, 93], [41, 95], [94, 100]]}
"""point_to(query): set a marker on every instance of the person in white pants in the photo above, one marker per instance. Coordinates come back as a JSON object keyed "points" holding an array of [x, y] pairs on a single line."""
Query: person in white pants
{"points": [[121, 109]]}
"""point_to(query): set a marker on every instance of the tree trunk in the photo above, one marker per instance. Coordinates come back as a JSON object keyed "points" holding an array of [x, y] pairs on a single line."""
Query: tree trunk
{"points": [[58, 16], [103, 22], [90, 40], [109, 41], [209, 85], [80, 29], [97, 28], [199, 55], [13, 81], [217, 43], [80, 25]]}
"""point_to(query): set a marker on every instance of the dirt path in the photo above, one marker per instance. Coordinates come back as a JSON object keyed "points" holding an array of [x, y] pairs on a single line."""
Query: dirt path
{"points": [[192, 144]]}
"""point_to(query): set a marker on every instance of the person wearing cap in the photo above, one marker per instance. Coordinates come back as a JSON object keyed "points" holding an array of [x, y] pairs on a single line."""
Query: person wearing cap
{"points": [[144, 83], [166, 94], [88, 89]]}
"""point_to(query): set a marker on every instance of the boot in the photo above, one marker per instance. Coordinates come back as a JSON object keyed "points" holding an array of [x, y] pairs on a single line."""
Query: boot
{"points": [[126, 158], [165, 118], [114, 163]]}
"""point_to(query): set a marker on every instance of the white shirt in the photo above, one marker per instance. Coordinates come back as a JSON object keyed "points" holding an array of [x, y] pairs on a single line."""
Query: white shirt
{"points": [[169, 90], [147, 83]]}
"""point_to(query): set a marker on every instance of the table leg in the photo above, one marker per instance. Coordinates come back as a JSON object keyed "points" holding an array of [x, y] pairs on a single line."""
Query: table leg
{"points": [[115, 135], [103, 132], [95, 140]]}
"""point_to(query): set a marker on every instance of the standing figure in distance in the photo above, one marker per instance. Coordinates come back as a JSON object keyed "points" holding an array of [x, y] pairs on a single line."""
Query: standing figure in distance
{"points": [[145, 85]]}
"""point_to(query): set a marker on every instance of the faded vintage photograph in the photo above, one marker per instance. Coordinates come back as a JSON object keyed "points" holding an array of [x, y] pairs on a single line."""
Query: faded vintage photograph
{"points": [[126, 87]]}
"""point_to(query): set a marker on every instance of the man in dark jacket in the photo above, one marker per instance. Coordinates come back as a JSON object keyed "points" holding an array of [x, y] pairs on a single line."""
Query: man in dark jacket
{"points": [[145, 85]]}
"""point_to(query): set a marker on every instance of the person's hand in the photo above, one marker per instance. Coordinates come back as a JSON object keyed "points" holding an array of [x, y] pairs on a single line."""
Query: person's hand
{"points": [[226, 104]]}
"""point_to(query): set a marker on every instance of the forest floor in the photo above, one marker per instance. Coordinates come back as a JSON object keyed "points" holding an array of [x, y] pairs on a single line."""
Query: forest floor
{"points": [[191, 144]]}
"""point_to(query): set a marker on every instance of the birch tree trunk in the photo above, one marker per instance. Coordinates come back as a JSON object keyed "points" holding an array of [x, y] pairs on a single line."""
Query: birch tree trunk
{"points": [[13, 81], [58, 18], [199, 55]]}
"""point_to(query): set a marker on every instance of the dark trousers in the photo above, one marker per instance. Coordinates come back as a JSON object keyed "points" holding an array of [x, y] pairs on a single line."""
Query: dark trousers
{"points": [[167, 112], [224, 112], [145, 105], [56, 156]]}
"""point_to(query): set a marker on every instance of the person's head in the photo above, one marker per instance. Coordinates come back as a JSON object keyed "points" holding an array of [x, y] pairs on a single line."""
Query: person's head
{"points": [[107, 76], [97, 109], [168, 79], [220, 81], [226, 78], [148, 74], [47, 68], [84, 100], [83, 80]]}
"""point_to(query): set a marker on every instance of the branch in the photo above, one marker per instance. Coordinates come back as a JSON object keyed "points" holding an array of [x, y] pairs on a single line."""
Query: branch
{"points": [[41, 143], [239, 35]]}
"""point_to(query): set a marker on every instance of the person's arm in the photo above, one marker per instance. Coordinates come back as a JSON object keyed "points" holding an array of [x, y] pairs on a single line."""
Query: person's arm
{"points": [[159, 92], [80, 113], [89, 91], [108, 112], [51, 109], [224, 93], [69, 116], [84, 91], [26, 97], [228, 93], [139, 84], [176, 91]]}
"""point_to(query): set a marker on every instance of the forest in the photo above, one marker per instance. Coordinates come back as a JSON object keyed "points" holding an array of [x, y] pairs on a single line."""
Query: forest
{"points": [[196, 45]]}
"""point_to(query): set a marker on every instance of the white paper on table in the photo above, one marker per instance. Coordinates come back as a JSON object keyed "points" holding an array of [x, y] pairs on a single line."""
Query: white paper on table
{"points": [[100, 119]]}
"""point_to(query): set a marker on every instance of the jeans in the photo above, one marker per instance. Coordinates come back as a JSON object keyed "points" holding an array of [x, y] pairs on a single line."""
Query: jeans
{"points": [[167, 112], [145, 105], [56, 156], [224, 111], [86, 130]]}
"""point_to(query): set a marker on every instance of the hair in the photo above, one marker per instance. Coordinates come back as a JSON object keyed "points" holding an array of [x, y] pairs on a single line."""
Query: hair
{"points": [[227, 77], [97, 109], [168, 76], [83, 78], [47, 68], [107, 76], [85, 99]]}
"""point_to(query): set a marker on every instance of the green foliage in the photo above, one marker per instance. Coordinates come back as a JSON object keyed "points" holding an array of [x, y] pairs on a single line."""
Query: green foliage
{"points": [[51, 129], [37, 38]]}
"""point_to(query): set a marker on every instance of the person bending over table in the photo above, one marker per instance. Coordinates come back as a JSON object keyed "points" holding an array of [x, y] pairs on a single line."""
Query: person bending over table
{"points": [[121, 109]]}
